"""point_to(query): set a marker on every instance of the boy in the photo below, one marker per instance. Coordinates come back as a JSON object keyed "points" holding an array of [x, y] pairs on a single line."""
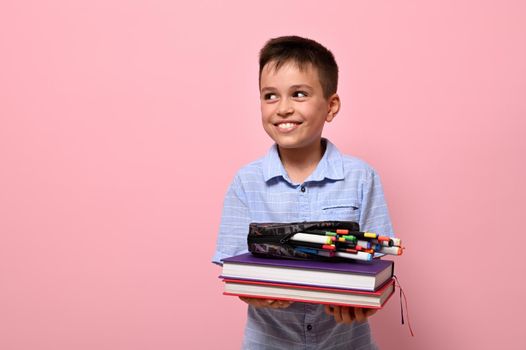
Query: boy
{"points": [[303, 177]]}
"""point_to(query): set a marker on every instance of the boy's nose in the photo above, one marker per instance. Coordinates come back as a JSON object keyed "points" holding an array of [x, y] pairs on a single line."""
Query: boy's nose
{"points": [[285, 108]]}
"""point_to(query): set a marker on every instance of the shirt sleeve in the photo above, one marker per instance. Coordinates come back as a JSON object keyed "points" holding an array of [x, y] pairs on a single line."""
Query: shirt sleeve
{"points": [[374, 216], [235, 219]]}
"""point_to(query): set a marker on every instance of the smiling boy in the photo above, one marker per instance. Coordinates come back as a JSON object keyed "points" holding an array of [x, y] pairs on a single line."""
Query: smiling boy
{"points": [[303, 177], [294, 110]]}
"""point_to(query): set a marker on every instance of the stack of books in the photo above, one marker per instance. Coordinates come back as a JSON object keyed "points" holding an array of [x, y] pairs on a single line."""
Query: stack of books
{"points": [[349, 283]]}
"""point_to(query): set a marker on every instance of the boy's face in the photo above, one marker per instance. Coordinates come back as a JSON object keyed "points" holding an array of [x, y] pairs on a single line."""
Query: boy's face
{"points": [[293, 108]]}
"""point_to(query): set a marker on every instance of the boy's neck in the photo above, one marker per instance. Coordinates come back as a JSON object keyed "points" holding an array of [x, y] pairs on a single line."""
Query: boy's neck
{"points": [[301, 162]]}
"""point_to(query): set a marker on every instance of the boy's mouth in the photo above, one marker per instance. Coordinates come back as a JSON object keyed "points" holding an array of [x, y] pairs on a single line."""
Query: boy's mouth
{"points": [[287, 126]]}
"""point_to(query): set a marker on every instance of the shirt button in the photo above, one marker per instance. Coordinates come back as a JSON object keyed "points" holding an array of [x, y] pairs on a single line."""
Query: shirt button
{"points": [[302, 188], [309, 327]]}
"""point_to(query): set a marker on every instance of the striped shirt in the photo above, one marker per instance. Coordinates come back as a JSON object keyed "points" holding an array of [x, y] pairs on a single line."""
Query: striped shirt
{"points": [[340, 188]]}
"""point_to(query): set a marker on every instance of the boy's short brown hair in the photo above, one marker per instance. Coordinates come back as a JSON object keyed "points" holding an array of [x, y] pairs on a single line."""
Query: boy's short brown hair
{"points": [[302, 51]]}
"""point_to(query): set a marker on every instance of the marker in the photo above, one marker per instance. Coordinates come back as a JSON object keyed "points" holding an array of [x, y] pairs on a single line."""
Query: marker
{"points": [[326, 253], [358, 234], [370, 235], [365, 244], [345, 244], [349, 238], [356, 256], [388, 243], [306, 250], [353, 247], [383, 239], [306, 237], [321, 232], [396, 241], [376, 246], [314, 245], [391, 250], [315, 252]]}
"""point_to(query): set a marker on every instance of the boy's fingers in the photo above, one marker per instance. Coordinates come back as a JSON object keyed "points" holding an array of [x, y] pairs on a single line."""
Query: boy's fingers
{"points": [[250, 301], [329, 310], [280, 304], [275, 304], [371, 312], [348, 314], [257, 302], [337, 313], [284, 304], [360, 314]]}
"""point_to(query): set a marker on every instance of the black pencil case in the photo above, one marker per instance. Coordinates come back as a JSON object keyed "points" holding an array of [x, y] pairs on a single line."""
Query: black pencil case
{"points": [[273, 239]]}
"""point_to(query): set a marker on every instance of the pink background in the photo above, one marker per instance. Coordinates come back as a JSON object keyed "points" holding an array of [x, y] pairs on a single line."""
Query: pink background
{"points": [[123, 122]]}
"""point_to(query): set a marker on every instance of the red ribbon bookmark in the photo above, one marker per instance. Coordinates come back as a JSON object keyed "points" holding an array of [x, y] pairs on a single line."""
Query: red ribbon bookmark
{"points": [[402, 295]]}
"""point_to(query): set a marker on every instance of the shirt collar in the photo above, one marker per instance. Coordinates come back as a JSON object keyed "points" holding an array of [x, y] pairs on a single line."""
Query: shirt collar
{"points": [[329, 167]]}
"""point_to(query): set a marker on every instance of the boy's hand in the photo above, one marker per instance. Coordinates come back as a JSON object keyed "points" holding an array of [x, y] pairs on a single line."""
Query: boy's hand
{"points": [[348, 314], [274, 304]]}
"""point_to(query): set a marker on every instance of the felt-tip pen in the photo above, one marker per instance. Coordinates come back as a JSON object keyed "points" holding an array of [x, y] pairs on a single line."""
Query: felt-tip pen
{"points": [[315, 251], [305, 237], [356, 256], [313, 245], [391, 250]]}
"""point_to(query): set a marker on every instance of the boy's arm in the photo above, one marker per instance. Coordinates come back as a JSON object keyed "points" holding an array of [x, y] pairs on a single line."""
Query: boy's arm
{"points": [[374, 216], [235, 219], [232, 237]]}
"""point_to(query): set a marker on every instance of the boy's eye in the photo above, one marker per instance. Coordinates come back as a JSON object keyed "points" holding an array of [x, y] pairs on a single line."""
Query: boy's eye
{"points": [[300, 94], [270, 96]]}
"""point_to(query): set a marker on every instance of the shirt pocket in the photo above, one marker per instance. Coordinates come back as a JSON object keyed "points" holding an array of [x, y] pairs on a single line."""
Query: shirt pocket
{"points": [[343, 211]]}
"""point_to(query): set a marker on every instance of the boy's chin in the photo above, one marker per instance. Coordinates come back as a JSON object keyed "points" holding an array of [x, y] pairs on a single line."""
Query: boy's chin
{"points": [[294, 141], [295, 145], [284, 145]]}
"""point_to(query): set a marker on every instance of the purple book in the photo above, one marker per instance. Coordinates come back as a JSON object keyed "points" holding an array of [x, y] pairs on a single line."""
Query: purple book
{"points": [[368, 276]]}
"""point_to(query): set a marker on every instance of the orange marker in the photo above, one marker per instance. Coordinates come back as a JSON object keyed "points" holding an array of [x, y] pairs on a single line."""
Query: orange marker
{"points": [[391, 250]]}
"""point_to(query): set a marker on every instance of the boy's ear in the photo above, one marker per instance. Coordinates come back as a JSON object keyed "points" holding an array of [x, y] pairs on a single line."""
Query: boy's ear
{"points": [[334, 104]]}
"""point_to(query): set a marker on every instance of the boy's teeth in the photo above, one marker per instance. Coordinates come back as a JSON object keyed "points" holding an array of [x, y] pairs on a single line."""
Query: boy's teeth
{"points": [[286, 125]]}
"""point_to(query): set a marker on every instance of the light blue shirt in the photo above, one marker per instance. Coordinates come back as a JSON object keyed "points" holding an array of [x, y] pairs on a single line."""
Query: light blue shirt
{"points": [[340, 188]]}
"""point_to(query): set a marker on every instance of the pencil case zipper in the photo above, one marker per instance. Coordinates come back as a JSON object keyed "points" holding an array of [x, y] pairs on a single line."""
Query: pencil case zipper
{"points": [[269, 238]]}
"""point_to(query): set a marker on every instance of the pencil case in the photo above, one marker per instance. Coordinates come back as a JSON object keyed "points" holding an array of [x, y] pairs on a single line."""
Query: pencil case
{"points": [[274, 239]]}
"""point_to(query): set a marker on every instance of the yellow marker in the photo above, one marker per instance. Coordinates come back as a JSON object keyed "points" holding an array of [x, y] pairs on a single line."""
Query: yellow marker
{"points": [[370, 235]]}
